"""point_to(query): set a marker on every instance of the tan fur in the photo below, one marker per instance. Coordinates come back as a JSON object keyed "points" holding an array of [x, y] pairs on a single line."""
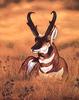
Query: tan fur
{"points": [[63, 64], [45, 48]]}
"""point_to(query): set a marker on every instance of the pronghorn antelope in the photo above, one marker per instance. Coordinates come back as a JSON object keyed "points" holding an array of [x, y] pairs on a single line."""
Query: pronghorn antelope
{"points": [[48, 60]]}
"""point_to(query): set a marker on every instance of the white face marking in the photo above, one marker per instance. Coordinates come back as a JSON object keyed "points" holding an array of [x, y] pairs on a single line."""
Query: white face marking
{"points": [[46, 69], [31, 65], [48, 60], [40, 35], [44, 49]]}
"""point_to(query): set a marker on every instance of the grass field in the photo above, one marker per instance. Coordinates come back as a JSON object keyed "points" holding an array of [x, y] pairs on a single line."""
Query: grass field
{"points": [[16, 40]]}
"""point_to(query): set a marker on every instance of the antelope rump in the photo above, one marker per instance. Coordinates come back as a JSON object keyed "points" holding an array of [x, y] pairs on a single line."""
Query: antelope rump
{"points": [[48, 59]]}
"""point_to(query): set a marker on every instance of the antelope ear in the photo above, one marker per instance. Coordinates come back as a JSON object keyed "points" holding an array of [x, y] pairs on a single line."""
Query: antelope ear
{"points": [[54, 34]]}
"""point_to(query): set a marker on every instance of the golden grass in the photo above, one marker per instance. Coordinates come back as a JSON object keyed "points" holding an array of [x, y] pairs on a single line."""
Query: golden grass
{"points": [[16, 40]]}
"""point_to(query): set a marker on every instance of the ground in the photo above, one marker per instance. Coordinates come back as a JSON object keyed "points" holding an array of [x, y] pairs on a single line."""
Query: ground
{"points": [[16, 40]]}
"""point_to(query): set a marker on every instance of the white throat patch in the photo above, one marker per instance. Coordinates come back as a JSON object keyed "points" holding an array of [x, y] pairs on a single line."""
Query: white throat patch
{"points": [[55, 75], [46, 69], [48, 60]]}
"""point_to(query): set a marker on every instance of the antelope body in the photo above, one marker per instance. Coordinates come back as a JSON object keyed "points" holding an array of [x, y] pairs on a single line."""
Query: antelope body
{"points": [[48, 60]]}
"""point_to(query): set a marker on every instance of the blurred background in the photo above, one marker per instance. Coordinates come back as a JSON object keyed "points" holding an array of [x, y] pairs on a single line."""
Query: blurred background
{"points": [[16, 39], [13, 19], [72, 4]]}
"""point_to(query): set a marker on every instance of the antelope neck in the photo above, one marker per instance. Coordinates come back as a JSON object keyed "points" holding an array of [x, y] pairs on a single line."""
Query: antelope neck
{"points": [[46, 64], [48, 60]]}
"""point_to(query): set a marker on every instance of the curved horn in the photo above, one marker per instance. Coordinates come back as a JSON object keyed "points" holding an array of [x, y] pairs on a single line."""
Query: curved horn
{"points": [[31, 25], [52, 22]]}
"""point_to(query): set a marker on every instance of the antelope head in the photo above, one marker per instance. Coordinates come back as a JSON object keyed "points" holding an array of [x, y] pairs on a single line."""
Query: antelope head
{"points": [[43, 43]]}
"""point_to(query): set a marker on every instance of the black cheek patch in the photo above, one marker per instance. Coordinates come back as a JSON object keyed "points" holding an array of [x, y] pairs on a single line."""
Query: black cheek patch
{"points": [[50, 50], [38, 45]]}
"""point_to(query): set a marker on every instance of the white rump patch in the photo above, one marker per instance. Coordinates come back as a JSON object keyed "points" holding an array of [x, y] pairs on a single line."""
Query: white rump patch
{"points": [[46, 69], [46, 61], [31, 65]]}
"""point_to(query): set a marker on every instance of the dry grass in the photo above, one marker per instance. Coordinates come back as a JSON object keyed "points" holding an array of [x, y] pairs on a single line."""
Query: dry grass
{"points": [[72, 4], [16, 40], [74, 43], [10, 45]]}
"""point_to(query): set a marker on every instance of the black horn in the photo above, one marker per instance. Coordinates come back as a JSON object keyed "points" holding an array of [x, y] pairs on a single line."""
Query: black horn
{"points": [[31, 25], [51, 25]]}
